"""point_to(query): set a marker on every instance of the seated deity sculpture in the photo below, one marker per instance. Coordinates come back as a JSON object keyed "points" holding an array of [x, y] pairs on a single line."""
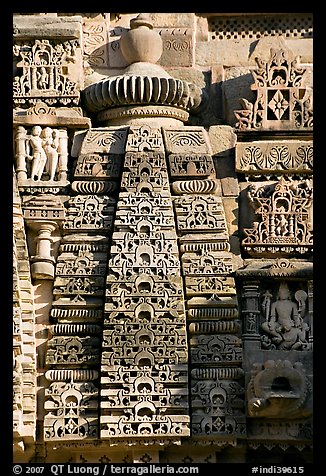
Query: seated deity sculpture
{"points": [[283, 320]]}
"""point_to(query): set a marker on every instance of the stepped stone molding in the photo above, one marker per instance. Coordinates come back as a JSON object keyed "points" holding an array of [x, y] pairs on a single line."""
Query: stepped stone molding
{"points": [[74, 348], [144, 337], [207, 268], [163, 293], [24, 348]]}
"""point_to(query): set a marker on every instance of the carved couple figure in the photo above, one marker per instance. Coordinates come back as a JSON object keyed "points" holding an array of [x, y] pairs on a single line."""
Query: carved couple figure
{"points": [[42, 149]]}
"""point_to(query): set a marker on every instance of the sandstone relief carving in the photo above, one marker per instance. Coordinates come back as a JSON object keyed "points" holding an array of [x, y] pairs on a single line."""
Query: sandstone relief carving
{"points": [[166, 338], [274, 158], [283, 101], [44, 65], [41, 154], [284, 324], [284, 225], [279, 389]]}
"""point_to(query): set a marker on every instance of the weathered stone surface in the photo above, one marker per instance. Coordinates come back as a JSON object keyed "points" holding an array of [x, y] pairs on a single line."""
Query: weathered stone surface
{"points": [[163, 250], [178, 47], [222, 139], [27, 26]]}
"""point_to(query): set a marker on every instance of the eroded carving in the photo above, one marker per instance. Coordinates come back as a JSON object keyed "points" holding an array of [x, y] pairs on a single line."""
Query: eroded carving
{"points": [[279, 389]]}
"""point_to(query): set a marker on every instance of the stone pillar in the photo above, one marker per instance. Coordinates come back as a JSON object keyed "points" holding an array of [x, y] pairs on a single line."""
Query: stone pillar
{"points": [[20, 139], [43, 263], [43, 214], [63, 154]]}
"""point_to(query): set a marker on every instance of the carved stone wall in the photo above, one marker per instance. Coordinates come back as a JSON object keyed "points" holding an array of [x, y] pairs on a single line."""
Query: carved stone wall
{"points": [[163, 238]]}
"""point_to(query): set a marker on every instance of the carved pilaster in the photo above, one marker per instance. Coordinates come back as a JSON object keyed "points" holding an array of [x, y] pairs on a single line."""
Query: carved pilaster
{"points": [[43, 214], [251, 314]]}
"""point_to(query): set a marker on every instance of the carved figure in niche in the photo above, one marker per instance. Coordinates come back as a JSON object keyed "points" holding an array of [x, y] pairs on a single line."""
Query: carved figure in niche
{"points": [[50, 144], [251, 322], [38, 155], [43, 78], [283, 320]]}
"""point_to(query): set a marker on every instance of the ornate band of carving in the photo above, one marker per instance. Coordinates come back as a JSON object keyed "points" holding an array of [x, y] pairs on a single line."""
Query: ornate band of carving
{"points": [[143, 111], [280, 157], [89, 314], [214, 327], [127, 90], [195, 186], [73, 329], [213, 313], [223, 373], [93, 187], [75, 375]]}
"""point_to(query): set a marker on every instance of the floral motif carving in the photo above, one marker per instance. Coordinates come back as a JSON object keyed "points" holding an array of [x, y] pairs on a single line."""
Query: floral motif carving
{"points": [[95, 44], [278, 157], [283, 101]]}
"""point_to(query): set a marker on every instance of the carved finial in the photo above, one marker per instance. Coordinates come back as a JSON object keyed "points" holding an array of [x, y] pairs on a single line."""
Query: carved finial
{"points": [[141, 43], [143, 19]]}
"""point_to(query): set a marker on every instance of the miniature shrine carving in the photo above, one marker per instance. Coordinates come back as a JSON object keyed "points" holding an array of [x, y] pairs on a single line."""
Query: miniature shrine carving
{"points": [[283, 101], [44, 65], [284, 212]]}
